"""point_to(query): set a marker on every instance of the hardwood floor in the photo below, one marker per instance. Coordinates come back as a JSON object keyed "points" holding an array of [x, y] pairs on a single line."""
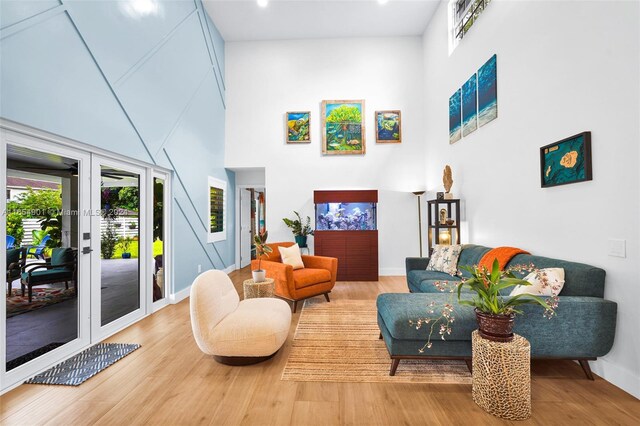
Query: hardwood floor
{"points": [[169, 381]]}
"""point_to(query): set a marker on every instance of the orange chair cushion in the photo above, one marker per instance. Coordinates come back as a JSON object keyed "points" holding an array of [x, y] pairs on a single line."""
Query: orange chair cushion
{"points": [[307, 277]]}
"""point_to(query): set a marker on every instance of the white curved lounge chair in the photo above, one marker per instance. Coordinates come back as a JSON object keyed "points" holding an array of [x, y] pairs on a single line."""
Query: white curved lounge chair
{"points": [[236, 332]]}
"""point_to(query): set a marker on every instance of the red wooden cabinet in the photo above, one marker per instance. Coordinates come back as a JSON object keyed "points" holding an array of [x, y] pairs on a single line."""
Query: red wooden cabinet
{"points": [[356, 250]]}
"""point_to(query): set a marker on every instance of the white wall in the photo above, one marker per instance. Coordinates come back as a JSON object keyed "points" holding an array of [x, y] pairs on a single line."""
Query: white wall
{"points": [[563, 67], [266, 79]]}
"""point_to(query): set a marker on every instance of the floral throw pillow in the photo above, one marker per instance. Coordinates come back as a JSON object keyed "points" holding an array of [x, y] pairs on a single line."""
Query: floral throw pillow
{"points": [[445, 259]]}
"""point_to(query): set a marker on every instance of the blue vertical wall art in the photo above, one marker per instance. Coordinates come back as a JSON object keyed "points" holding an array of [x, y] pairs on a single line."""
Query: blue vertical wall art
{"points": [[487, 92], [455, 117], [469, 105]]}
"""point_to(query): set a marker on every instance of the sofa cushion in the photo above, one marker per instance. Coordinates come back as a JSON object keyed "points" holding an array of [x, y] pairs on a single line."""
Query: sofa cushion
{"points": [[579, 279], [415, 277], [60, 256], [292, 256], [308, 276], [470, 256], [397, 309], [48, 276], [445, 259], [554, 283]]}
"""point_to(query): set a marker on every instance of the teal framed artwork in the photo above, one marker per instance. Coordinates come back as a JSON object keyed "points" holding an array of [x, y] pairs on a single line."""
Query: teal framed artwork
{"points": [[388, 127], [566, 161], [298, 125], [343, 127]]}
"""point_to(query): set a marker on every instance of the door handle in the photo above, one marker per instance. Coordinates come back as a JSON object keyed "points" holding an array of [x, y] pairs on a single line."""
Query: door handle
{"points": [[86, 250]]}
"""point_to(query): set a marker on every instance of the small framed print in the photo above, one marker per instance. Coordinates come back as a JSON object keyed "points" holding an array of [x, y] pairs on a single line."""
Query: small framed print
{"points": [[388, 127], [298, 127]]}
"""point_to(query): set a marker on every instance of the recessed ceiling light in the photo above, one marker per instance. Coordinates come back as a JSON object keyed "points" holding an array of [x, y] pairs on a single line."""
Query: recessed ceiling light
{"points": [[263, 3]]}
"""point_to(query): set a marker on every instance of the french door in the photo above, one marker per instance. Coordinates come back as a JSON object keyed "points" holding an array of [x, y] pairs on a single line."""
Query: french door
{"points": [[104, 263], [50, 321], [119, 257]]}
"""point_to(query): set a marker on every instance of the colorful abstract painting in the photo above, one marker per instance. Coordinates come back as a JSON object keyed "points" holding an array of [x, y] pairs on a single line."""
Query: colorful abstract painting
{"points": [[487, 92], [469, 106], [343, 127], [388, 127], [298, 127], [566, 161], [455, 117]]}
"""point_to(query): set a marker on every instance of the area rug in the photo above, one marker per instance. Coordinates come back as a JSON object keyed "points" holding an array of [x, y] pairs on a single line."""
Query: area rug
{"points": [[17, 304], [86, 364], [338, 342]]}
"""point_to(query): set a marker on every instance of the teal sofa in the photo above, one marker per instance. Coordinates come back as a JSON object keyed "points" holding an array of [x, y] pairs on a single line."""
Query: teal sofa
{"points": [[583, 328]]}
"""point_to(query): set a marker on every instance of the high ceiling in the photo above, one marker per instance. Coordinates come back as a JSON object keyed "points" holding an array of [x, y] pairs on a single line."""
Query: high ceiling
{"points": [[243, 20]]}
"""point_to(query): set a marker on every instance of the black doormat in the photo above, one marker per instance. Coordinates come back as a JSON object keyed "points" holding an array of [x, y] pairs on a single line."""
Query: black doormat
{"points": [[17, 362], [85, 365]]}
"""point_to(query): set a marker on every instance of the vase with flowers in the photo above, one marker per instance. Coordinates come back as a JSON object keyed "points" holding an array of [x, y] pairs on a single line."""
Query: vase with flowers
{"points": [[495, 311]]}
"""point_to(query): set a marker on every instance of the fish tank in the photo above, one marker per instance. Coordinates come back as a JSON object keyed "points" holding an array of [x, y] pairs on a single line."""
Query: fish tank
{"points": [[346, 216]]}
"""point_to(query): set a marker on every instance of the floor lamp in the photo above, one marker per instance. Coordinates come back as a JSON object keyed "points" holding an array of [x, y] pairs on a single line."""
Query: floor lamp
{"points": [[419, 193]]}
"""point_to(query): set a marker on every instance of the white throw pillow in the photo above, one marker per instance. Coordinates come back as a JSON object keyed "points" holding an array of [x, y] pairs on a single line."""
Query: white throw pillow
{"points": [[291, 256], [554, 278], [445, 259]]}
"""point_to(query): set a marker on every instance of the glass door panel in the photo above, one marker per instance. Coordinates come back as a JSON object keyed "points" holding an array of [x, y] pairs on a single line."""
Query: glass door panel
{"points": [[47, 287], [158, 245], [118, 260]]}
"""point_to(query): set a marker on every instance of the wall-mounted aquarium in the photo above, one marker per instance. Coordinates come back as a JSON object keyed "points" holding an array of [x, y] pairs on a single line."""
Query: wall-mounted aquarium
{"points": [[346, 216]]}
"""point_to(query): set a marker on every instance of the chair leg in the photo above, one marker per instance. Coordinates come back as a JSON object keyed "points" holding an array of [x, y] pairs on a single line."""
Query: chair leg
{"points": [[394, 366], [586, 368], [30, 293], [295, 306], [22, 289], [326, 296], [66, 285]]}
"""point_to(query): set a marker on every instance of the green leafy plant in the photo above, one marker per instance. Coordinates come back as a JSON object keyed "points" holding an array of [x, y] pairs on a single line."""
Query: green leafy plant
{"points": [[108, 241], [125, 243], [298, 227], [15, 227], [486, 287], [52, 225], [260, 242]]}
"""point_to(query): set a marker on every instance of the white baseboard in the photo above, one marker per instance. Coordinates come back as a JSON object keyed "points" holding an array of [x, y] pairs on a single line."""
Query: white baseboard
{"points": [[184, 293], [393, 272], [619, 376]]}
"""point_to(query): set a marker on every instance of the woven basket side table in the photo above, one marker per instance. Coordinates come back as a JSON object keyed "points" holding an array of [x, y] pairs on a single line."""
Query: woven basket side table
{"points": [[502, 377], [253, 289]]}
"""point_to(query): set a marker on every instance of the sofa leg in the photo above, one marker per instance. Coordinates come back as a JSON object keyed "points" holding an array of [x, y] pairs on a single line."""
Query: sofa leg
{"points": [[586, 368], [326, 296], [469, 364], [394, 366], [295, 306], [380, 337]]}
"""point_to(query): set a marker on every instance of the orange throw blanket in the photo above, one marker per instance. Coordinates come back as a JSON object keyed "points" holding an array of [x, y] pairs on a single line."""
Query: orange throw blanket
{"points": [[503, 254]]}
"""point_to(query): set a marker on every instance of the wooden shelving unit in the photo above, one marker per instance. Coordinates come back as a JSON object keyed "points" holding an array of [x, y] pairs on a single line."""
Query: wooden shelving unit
{"points": [[439, 233]]}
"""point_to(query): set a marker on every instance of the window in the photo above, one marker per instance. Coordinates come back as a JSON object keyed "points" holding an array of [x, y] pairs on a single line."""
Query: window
{"points": [[463, 14], [217, 210]]}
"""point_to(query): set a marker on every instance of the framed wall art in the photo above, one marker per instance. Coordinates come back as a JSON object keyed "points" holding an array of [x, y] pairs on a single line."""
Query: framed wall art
{"points": [[455, 117], [566, 161], [343, 129], [298, 127], [488, 92], [388, 127]]}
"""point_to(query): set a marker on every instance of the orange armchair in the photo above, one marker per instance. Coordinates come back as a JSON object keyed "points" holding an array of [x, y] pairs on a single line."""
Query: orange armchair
{"points": [[318, 276]]}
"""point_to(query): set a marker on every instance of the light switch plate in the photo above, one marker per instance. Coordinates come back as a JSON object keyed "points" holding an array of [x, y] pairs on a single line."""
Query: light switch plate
{"points": [[618, 248]]}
